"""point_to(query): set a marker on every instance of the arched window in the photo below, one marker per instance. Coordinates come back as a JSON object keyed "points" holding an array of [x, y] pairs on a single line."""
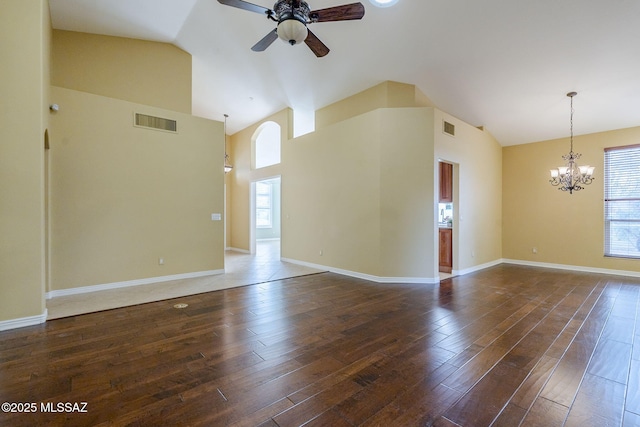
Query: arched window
{"points": [[266, 144]]}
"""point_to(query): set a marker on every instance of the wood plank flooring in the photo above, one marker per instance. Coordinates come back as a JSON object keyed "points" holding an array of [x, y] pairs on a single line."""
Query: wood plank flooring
{"points": [[506, 346]]}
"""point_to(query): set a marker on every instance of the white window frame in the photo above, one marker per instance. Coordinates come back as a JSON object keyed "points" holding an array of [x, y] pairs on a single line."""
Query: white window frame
{"points": [[622, 202]]}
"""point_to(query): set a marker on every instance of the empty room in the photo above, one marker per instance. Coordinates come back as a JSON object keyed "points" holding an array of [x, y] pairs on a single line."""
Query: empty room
{"points": [[385, 213]]}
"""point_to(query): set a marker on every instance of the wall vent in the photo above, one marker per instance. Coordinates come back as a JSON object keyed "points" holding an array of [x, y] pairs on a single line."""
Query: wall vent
{"points": [[145, 121], [448, 128]]}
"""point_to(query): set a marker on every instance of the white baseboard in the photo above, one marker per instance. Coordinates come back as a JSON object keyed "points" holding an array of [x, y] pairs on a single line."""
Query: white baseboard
{"points": [[243, 251], [466, 270], [476, 268], [5, 325], [138, 282], [36, 320], [364, 276], [573, 268]]}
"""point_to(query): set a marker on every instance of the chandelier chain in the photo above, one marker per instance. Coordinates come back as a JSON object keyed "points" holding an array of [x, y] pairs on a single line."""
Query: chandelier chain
{"points": [[571, 122]]}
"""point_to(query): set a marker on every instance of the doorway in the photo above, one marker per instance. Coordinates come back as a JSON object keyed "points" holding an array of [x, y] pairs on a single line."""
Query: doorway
{"points": [[266, 224], [445, 218]]}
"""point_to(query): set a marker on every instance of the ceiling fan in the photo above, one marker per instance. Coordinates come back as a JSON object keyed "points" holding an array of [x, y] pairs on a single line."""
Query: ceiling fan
{"points": [[293, 16]]}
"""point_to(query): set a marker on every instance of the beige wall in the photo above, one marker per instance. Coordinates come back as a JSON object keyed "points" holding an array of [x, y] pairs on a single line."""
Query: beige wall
{"points": [[477, 159], [357, 195], [360, 194], [565, 229], [139, 71], [24, 41], [407, 193], [123, 196], [384, 95], [331, 196]]}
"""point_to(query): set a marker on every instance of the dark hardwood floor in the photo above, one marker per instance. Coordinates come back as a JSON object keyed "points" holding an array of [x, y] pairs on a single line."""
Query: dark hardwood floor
{"points": [[506, 346]]}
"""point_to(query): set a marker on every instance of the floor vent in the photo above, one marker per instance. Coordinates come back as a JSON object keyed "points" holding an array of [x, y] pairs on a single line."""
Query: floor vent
{"points": [[145, 121], [448, 128]]}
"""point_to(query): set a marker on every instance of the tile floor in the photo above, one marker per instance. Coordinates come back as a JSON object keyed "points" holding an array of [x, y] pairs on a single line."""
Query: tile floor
{"points": [[240, 269]]}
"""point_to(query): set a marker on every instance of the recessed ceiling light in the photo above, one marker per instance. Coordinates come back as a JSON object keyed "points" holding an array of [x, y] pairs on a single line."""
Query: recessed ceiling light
{"points": [[383, 3]]}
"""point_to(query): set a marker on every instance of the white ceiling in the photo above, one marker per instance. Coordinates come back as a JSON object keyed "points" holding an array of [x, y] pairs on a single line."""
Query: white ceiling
{"points": [[502, 64]]}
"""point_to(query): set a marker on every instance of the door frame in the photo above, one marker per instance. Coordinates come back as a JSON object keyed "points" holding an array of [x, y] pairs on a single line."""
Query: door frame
{"points": [[456, 212], [252, 210]]}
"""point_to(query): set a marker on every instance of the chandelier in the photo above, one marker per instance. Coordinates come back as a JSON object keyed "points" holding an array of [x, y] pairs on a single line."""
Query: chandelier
{"points": [[571, 177]]}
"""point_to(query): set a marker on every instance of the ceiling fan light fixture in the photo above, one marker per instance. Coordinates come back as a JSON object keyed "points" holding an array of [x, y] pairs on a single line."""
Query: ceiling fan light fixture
{"points": [[293, 16], [292, 31]]}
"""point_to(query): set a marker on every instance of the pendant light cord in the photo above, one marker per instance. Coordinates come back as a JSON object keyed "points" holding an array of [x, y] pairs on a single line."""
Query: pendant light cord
{"points": [[225, 136], [571, 95]]}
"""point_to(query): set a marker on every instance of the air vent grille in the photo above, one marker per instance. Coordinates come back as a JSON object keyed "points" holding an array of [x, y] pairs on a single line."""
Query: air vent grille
{"points": [[159, 123], [449, 128]]}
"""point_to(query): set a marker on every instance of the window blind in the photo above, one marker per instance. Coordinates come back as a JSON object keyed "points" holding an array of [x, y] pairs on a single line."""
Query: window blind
{"points": [[622, 201]]}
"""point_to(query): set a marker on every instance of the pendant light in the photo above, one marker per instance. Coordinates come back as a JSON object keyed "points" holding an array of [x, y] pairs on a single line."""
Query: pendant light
{"points": [[227, 166]]}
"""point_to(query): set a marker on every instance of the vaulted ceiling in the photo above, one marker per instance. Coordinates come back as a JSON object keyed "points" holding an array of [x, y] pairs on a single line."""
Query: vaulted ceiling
{"points": [[502, 64]]}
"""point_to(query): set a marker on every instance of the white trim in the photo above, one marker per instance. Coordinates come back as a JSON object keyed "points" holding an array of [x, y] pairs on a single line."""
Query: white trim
{"points": [[5, 325], [465, 271], [224, 209], [573, 268], [252, 217], [372, 278], [477, 268], [116, 285], [242, 251]]}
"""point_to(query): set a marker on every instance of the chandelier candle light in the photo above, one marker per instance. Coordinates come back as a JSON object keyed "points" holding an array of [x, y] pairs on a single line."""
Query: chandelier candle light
{"points": [[571, 177]]}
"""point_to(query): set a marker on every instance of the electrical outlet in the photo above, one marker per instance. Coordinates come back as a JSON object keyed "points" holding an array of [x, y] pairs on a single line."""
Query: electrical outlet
{"points": [[534, 250], [160, 261]]}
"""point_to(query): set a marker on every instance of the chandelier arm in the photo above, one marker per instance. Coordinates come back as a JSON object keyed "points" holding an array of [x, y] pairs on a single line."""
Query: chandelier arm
{"points": [[587, 180]]}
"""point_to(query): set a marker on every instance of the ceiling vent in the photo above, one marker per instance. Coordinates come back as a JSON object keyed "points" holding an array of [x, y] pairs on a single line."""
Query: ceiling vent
{"points": [[151, 122], [448, 128]]}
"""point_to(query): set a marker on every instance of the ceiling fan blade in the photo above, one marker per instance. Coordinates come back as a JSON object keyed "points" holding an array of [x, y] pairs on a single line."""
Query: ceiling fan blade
{"points": [[345, 12], [266, 41], [316, 46], [240, 4]]}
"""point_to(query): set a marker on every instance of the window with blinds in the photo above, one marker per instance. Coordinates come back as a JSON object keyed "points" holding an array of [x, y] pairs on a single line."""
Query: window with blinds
{"points": [[622, 201]]}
